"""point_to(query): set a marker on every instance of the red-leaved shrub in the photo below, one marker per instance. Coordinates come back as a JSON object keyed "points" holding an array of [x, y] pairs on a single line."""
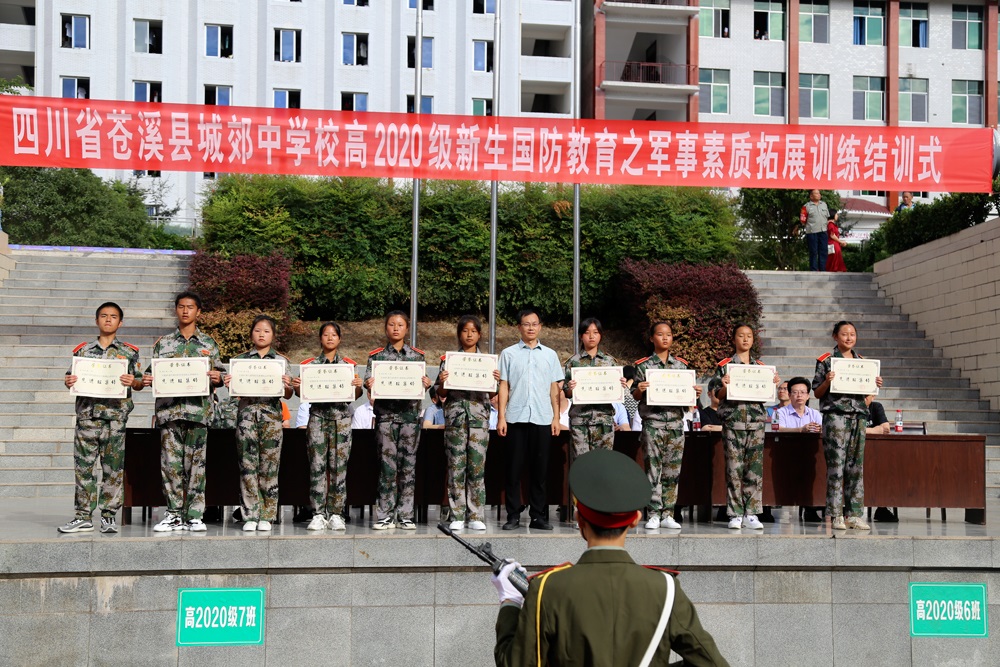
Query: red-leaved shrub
{"points": [[243, 282]]}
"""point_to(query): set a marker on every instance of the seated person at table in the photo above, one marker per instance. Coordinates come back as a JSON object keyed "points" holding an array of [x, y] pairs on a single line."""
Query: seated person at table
{"points": [[783, 400], [690, 417], [302, 415], [364, 416], [434, 414], [797, 417], [493, 412], [709, 417], [622, 422], [878, 424]]}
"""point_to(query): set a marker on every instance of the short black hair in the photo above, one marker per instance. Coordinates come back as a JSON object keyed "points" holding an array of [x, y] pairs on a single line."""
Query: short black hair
{"points": [[606, 533], [714, 384], [109, 304], [841, 324], [798, 380], [528, 310], [394, 313], [336, 327], [188, 294], [584, 325], [652, 328], [264, 318], [465, 320]]}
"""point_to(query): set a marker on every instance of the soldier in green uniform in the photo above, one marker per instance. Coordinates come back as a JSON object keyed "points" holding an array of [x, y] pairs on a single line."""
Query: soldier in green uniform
{"points": [[329, 437], [184, 421], [466, 435], [590, 426], [743, 425], [845, 417], [662, 437], [397, 431], [100, 427], [605, 609], [259, 435]]}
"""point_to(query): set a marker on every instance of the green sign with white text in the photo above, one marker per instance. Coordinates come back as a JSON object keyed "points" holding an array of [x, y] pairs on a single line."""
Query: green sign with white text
{"points": [[220, 616], [948, 610]]}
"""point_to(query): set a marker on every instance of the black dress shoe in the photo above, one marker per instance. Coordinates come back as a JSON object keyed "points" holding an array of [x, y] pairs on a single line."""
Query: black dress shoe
{"points": [[512, 524], [540, 524], [884, 514], [810, 515]]}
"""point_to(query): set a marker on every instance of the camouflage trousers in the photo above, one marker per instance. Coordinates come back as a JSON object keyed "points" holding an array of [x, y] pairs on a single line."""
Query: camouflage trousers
{"points": [[105, 440], [182, 464], [329, 449], [397, 450], [664, 448], [465, 441], [259, 435], [744, 469], [588, 435], [844, 446]]}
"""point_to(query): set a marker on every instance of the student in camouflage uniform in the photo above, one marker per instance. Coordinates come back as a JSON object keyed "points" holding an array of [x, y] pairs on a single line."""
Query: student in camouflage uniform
{"points": [[397, 426], [662, 437], [845, 417], [743, 425], [100, 427], [466, 435], [329, 437], [184, 421], [590, 426], [259, 435]]}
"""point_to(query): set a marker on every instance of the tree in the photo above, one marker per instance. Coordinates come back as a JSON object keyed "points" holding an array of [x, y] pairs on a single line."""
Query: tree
{"points": [[13, 86], [769, 218]]}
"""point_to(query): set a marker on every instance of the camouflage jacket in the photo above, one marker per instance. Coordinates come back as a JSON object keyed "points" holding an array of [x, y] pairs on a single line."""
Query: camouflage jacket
{"points": [[331, 411], [397, 410], [271, 405], [112, 409], [587, 413], [476, 404], [837, 403], [186, 408], [671, 416], [737, 413]]}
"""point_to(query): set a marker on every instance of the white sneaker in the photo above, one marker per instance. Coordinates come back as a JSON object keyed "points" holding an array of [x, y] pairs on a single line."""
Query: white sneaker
{"points": [[249, 526], [456, 525], [317, 523], [263, 525], [752, 522], [383, 524], [668, 522], [735, 522], [196, 526], [653, 523], [406, 524], [337, 523], [857, 523], [477, 525], [169, 522]]}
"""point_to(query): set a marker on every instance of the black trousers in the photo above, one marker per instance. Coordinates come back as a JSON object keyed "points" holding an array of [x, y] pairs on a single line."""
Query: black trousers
{"points": [[528, 444]]}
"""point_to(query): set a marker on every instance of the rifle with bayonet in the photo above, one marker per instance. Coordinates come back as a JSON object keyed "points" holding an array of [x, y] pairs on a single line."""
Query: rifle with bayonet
{"points": [[484, 552]]}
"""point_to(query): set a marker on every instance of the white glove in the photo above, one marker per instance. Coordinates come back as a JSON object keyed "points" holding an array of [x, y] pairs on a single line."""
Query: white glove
{"points": [[505, 589]]}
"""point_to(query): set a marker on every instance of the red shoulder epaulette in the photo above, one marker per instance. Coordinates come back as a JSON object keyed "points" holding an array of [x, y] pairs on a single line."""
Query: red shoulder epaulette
{"points": [[661, 569], [824, 356], [443, 356], [725, 361], [79, 347], [562, 566], [130, 345], [416, 349], [376, 350], [639, 361], [307, 361], [761, 363], [681, 360], [348, 360]]}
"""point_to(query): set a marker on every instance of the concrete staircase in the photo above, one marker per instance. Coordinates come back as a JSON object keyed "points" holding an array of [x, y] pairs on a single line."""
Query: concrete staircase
{"points": [[800, 309], [46, 309]]}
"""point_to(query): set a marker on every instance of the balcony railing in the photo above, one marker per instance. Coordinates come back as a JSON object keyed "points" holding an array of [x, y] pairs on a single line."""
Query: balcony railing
{"points": [[637, 72]]}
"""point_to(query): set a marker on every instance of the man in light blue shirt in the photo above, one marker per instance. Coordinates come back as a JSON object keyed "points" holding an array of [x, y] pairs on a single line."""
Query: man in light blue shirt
{"points": [[797, 417], [530, 379]]}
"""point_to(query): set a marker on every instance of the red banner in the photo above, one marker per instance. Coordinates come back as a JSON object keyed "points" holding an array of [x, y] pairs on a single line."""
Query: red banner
{"points": [[100, 134]]}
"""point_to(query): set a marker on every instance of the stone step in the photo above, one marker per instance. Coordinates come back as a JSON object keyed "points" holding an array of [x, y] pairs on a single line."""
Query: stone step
{"points": [[15, 437], [860, 290], [134, 302], [39, 490], [897, 353], [45, 326], [75, 314], [824, 321], [36, 460], [808, 307], [111, 272], [813, 276], [36, 475], [823, 303], [59, 254], [52, 287], [901, 359], [822, 331], [61, 340], [887, 341]]}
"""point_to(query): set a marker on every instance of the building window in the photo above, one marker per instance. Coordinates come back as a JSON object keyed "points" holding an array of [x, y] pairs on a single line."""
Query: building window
{"points": [[814, 95], [148, 36], [913, 100], [484, 6], [287, 99], [76, 87], [426, 53], [713, 91], [357, 3], [769, 19], [913, 25], [869, 23], [219, 41], [354, 101], [428, 5], [869, 98], [426, 104], [967, 102], [966, 27], [482, 56], [355, 49], [75, 31], [482, 107], [769, 93], [147, 91], [151, 211], [219, 95], [287, 45], [713, 19], [814, 21]]}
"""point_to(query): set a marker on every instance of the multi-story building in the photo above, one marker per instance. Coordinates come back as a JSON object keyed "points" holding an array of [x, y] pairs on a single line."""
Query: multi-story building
{"points": [[326, 54]]}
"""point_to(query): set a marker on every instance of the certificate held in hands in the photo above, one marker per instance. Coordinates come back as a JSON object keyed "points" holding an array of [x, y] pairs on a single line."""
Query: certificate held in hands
{"points": [[854, 376], [175, 377], [256, 378], [597, 385], [470, 371], [671, 387], [99, 378], [326, 383], [751, 383], [403, 380]]}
